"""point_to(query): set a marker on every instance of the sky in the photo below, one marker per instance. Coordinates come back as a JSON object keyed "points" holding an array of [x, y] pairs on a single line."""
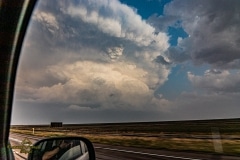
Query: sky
{"points": [[106, 61]]}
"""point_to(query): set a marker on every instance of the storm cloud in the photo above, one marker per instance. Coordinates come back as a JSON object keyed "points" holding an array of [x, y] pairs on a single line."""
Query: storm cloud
{"points": [[212, 28], [104, 57], [100, 61]]}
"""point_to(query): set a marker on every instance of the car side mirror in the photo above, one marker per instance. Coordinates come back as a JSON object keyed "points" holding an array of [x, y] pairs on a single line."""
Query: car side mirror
{"points": [[62, 148]]}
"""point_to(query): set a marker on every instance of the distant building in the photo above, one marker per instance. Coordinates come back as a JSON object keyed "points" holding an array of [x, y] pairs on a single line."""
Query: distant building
{"points": [[56, 124]]}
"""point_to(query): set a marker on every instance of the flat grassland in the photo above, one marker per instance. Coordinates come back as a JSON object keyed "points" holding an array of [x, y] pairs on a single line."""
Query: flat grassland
{"points": [[220, 136]]}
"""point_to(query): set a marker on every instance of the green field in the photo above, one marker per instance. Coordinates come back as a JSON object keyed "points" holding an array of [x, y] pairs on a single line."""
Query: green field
{"points": [[213, 136]]}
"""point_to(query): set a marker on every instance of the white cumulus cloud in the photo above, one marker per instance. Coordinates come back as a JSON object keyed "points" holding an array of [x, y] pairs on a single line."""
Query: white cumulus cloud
{"points": [[216, 80], [118, 20], [94, 85]]}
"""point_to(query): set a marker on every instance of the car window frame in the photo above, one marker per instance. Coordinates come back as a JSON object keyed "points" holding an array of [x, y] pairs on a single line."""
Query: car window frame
{"points": [[14, 19]]}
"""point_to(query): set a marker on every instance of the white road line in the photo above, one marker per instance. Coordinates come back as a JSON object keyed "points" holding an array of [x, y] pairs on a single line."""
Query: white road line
{"points": [[150, 154], [16, 140], [135, 152]]}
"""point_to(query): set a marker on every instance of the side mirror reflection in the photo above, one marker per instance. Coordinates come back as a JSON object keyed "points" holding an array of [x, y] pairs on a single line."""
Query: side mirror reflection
{"points": [[62, 148]]}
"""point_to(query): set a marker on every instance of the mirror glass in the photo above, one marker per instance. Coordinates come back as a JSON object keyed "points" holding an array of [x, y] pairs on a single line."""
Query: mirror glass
{"points": [[61, 149]]}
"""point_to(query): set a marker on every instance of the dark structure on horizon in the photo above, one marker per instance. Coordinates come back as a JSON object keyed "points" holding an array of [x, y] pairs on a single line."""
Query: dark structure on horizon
{"points": [[56, 124]]}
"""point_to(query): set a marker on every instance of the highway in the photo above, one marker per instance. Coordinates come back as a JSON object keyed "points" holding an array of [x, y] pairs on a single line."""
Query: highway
{"points": [[109, 152]]}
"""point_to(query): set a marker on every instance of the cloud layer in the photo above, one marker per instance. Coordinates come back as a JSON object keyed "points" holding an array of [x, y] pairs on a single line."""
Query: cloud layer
{"points": [[216, 80], [100, 59], [96, 54], [213, 29]]}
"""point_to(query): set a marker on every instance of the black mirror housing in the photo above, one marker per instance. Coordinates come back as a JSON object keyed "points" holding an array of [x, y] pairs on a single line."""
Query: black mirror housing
{"points": [[62, 148]]}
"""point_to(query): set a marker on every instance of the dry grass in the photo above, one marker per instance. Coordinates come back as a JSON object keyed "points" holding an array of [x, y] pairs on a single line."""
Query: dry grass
{"points": [[230, 147], [178, 135]]}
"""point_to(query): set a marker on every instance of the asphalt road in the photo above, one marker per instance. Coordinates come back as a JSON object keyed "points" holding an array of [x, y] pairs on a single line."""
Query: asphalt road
{"points": [[109, 152]]}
